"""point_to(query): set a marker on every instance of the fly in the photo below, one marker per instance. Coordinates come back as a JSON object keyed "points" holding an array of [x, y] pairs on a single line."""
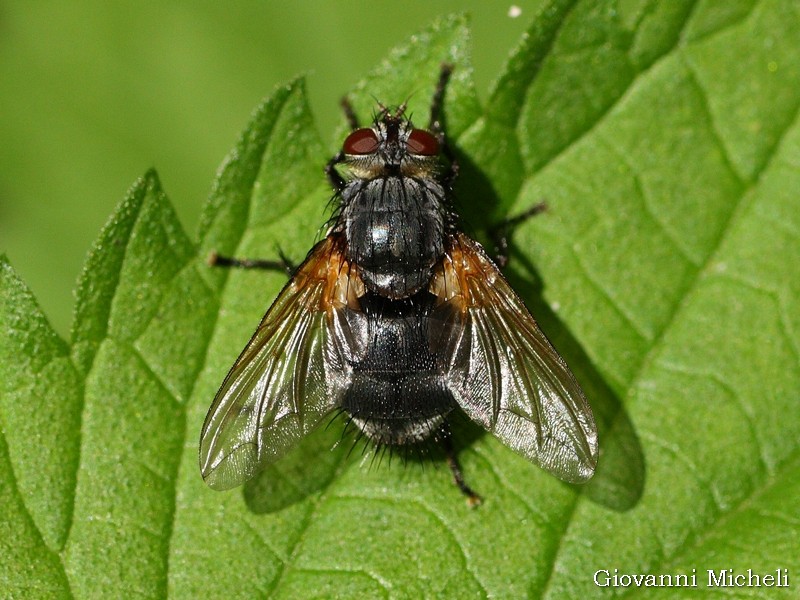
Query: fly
{"points": [[400, 320]]}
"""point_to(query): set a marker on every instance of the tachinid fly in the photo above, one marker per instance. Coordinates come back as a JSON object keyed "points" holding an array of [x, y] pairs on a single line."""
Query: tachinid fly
{"points": [[400, 320]]}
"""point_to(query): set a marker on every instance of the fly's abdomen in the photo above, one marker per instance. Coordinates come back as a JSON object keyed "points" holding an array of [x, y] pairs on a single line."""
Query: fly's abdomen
{"points": [[395, 232], [393, 409], [397, 394]]}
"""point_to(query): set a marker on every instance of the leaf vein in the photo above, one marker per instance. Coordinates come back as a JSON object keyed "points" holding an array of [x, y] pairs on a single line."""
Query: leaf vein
{"points": [[658, 341], [617, 306], [675, 451], [304, 527], [27, 514], [434, 515], [386, 586], [725, 27], [749, 416], [789, 464], [117, 278], [775, 297], [649, 209], [702, 93], [600, 118], [488, 465]]}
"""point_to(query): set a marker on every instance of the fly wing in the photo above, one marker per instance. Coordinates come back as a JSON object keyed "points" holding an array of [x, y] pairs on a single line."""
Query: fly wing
{"points": [[288, 377], [502, 370]]}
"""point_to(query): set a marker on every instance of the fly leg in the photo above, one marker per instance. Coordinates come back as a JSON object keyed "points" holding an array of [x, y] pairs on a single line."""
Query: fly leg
{"points": [[284, 264], [349, 113], [336, 180], [473, 499], [501, 232], [436, 124]]}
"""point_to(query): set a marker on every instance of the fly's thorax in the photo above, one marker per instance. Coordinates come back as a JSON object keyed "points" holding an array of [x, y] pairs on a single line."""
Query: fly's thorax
{"points": [[395, 232]]}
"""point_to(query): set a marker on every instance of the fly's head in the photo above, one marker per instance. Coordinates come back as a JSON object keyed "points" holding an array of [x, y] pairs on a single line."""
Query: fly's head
{"points": [[392, 146]]}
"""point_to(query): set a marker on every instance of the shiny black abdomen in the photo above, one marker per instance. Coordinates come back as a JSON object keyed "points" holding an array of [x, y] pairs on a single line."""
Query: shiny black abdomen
{"points": [[398, 393], [395, 232]]}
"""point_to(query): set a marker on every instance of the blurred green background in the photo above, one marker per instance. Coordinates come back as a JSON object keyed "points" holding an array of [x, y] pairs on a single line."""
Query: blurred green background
{"points": [[92, 94]]}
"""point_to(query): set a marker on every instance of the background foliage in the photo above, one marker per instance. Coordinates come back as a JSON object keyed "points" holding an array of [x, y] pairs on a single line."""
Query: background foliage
{"points": [[664, 137]]}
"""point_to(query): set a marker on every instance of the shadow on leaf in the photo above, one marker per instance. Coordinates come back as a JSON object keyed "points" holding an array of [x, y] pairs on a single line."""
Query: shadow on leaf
{"points": [[476, 199], [304, 471]]}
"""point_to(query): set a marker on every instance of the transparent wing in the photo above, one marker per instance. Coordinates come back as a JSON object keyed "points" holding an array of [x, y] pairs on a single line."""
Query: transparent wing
{"points": [[286, 380], [504, 373]]}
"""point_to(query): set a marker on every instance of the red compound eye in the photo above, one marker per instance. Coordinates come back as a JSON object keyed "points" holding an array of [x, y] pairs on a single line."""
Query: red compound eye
{"points": [[361, 141], [422, 142]]}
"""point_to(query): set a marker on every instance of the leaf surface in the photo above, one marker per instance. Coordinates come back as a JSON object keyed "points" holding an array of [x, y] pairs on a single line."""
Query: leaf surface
{"points": [[664, 138]]}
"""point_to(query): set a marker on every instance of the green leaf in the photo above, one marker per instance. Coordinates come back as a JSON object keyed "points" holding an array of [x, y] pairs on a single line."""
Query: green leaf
{"points": [[664, 138]]}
